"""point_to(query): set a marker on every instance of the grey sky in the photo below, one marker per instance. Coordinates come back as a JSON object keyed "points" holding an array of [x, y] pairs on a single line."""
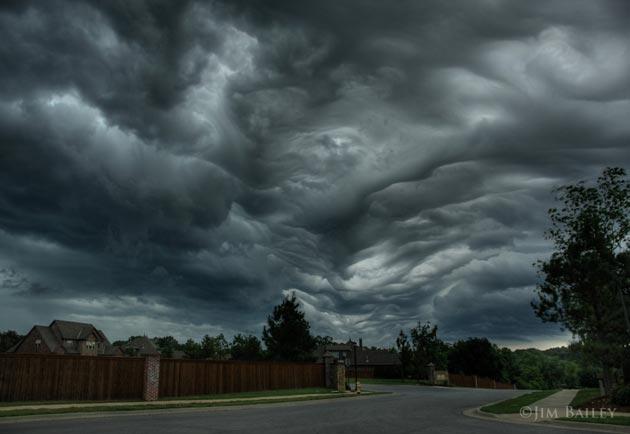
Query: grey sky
{"points": [[175, 167]]}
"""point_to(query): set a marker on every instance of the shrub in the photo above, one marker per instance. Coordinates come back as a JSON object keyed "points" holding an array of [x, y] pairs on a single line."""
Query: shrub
{"points": [[621, 395]]}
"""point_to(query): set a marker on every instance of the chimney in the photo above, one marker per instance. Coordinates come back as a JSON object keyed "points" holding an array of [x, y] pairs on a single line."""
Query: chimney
{"points": [[360, 344]]}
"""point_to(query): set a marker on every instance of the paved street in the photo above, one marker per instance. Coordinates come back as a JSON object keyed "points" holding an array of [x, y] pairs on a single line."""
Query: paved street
{"points": [[410, 410]]}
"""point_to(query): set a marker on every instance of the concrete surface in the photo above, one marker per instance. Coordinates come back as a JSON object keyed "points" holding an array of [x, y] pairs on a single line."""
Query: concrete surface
{"points": [[165, 402], [411, 409]]}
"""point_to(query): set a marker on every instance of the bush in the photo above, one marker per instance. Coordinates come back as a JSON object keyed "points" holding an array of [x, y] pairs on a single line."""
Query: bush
{"points": [[621, 395]]}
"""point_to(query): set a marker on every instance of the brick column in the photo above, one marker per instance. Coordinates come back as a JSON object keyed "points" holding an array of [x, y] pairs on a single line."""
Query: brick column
{"points": [[431, 373], [151, 378], [341, 377], [328, 371]]}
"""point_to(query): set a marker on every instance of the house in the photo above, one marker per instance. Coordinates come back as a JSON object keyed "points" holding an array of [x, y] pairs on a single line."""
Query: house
{"points": [[139, 346], [371, 362], [66, 337]]}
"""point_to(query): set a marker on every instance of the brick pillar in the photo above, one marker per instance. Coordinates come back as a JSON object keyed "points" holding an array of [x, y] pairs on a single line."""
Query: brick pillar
{"points": [[151, 378], [431, 373], [328, 371], [341, 377]]}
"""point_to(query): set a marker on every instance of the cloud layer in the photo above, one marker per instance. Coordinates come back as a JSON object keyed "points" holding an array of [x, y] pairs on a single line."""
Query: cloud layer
{"points": [[174, 167]]}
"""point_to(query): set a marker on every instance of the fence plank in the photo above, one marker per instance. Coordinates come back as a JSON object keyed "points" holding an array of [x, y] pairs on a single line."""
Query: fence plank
{"points": [[39, 377], [202, 377]]}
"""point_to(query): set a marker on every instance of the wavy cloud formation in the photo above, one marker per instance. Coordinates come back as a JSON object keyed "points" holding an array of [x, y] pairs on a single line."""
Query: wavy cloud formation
{"points": [[174, 167]]}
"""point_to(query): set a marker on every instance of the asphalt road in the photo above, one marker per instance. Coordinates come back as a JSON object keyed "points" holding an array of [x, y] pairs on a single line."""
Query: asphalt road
{"points": [[410, 409]]}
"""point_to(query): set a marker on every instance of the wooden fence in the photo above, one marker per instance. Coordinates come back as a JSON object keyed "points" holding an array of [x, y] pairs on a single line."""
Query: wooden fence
{"points": [[461, 380], [474, 381], [182, 377], [39, 377]]}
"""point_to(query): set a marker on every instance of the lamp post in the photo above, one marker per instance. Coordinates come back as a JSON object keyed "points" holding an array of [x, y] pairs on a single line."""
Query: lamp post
{"points": [[356, 375]]}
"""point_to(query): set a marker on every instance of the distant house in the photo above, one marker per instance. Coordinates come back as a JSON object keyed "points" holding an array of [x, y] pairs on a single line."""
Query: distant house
{"points": [[139, 346], [371, 362], [66, 337]]}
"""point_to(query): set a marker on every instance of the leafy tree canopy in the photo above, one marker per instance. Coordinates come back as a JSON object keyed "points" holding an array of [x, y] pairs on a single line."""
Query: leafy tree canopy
{"points": [[8, 339], [585, 282], [246, 347], [287, 334]]}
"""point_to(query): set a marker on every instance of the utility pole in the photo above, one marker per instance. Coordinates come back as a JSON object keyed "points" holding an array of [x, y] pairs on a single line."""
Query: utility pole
{"points": [[356, 376]]}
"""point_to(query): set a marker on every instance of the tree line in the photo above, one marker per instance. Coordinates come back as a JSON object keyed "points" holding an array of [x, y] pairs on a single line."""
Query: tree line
{"points": [[528, 369], [286, 336]]}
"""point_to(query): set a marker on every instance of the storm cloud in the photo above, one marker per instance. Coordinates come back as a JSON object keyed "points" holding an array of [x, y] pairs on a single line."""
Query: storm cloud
{"points": [[176, 167]]}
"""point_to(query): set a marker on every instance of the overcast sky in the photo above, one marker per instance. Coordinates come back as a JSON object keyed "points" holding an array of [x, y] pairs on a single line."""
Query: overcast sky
{"points": [[175, 167]]}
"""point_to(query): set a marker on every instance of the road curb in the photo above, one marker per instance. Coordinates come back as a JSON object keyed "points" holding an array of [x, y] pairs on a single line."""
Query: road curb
{"points": [[147, 412], [477, 413]]}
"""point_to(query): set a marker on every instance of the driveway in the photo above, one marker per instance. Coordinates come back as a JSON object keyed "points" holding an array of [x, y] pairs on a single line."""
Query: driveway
{"points": [[411, 409]]}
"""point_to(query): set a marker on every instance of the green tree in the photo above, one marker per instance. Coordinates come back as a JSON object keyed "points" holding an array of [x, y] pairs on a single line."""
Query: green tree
{"points": [[214, 347], [9, 339], [246, 347], [475, 356], [192, 349], [166, 345], [404, 353], [508, 369], [321, 341], [287, 334], [584, 284], [426, 348]]}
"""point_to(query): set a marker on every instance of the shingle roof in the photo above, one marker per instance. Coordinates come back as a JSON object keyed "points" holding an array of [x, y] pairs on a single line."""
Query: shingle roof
{"points": [[49, 338], [141, 346], [365, 356], [70, 330]]}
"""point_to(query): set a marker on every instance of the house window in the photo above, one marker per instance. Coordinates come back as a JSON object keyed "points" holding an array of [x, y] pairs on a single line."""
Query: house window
{"points": [[38, 342]]}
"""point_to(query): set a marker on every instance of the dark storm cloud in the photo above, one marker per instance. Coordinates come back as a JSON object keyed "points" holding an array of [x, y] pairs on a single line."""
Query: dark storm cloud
{"points": [[174, 167]]}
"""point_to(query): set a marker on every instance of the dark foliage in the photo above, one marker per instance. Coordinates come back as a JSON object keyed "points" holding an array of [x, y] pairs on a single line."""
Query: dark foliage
{"points": [[246, 347], [287, 333], [9, 339], [585, 282]]}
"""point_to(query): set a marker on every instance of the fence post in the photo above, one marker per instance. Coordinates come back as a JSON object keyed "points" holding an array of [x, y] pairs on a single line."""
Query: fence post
{"points": [[328, 370], [476, 384], [431, 373], [340, 371], [151, 377]]}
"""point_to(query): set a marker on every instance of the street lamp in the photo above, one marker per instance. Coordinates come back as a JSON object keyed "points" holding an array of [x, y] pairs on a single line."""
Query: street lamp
{"points": [[356, 375]]}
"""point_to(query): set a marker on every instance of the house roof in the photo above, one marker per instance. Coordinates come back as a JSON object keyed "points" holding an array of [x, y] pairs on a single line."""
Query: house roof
{"points": [[63, 336], [48, 337], [70, 330], [141, 346], [177, 354], [365, 356]]}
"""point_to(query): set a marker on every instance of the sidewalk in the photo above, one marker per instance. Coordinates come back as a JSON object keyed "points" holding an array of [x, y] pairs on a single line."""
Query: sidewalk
{"points": [[164, 402], [546, 411]]}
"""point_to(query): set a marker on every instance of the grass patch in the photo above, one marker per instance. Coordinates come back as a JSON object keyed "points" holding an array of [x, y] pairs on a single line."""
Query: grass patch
{"points": [[617, 420], [19, 403], [165, 405], [257, 394], [514, 405], [583, 396], [392, 381]]}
